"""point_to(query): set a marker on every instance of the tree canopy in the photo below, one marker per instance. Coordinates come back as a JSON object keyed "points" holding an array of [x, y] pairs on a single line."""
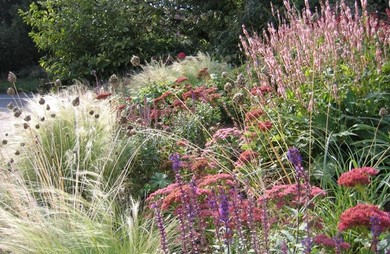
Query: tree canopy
{"points": [[81, 36]]}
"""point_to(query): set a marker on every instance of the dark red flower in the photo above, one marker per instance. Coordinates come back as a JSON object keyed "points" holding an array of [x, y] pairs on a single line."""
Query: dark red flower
{"points": [[357, 176], [103, 95], [253, 115], [326, 241], [121, 107], [181, 79], [247, 156], [264, 126], [261, 90], [181, 55], [288, 194], [361, 216]]}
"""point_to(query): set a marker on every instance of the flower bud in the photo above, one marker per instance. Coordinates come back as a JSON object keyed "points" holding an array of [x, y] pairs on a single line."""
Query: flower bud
{"points": [[11, 77]]}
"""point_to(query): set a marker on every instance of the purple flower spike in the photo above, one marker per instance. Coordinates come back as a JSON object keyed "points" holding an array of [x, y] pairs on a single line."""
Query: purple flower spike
{"points": [[224, 209], [175, 159], [294, 156]]}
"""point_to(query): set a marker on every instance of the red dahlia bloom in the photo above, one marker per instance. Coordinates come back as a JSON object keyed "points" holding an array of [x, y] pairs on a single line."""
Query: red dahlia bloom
{"points": [[357, 176], [361, 216]]}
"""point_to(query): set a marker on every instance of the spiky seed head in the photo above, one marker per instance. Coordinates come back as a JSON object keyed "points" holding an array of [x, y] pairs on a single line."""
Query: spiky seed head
{"points": [[41, 101], [228, 87], [135, 61], [53, 115], [42, 119], [17, 152], [47, 107], [10, 91], [11, 105], [27, 118], [25, 125], [97, 116], [4, 142], [113, 80], [91, 112], [17, 113], [76, 101], [37, 126], [238, 98], [383, 112], [11, 77]]}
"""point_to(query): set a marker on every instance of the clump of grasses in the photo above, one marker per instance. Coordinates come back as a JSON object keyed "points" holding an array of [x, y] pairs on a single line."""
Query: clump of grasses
{"points": [[158, 72], [44, 219], [61, 138]]}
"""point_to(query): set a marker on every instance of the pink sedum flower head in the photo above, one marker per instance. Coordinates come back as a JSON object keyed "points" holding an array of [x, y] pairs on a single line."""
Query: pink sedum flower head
{"points": [[361, 216], [357, 176]]}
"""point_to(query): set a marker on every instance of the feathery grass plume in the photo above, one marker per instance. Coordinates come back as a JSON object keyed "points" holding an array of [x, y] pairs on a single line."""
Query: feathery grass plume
{"points": [[157, 72], [43, 219], [70, 144]]}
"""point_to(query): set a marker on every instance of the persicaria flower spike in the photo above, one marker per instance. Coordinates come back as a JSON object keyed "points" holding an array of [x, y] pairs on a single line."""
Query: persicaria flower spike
{"points": [[357, 176]]}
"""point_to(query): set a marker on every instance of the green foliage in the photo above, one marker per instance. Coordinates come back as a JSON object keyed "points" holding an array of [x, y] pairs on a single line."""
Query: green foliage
{"points": [[17, 49], [82, 36]]}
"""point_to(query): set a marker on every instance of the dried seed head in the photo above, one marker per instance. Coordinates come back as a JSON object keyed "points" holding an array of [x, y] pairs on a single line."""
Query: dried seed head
{"points": [[17, 113], [27, 118], [76, 101], [25, 125], [22, 144], [383, 112], [11, 77], [17, 152], [228, 87], [4, 141], [41, 101], [113, 80], [135, 61], [240, 82], [57, 83], [53, 115], [47, 107], [10, 105], [42, 119], [10, 91], [238, 98], [37, 126], [97, 116], [91, 112]]}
